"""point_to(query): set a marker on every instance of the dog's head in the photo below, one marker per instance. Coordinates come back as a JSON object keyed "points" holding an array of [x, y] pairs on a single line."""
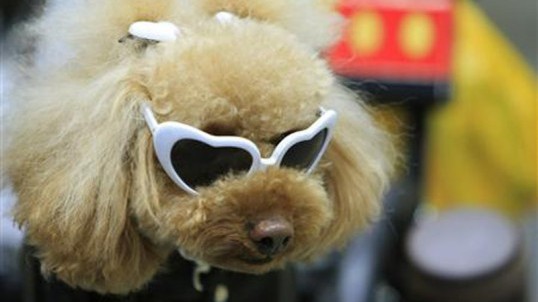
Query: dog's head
{"points": [[97, 202]]}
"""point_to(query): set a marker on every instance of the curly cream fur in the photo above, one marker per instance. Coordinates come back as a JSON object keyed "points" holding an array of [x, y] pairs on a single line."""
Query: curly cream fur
{"points": [[94, 200]]}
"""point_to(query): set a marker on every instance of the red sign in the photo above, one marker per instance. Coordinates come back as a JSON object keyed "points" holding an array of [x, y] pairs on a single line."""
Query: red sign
{"points": [[398, 40]]}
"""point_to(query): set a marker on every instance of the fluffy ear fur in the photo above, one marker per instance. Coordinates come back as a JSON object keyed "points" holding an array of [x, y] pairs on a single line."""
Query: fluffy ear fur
{"points": [[361, 164], [75, 180]]}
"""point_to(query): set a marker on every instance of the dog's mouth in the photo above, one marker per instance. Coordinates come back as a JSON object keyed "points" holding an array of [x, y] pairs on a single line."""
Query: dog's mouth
{"points": [[241, 259], [244, 258], [249, 264], [255, 261]]}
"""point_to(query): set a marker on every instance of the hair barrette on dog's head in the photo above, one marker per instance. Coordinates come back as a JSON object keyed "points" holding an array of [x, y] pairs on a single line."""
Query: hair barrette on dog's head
{"points": [[155, 31], [225, 17]]}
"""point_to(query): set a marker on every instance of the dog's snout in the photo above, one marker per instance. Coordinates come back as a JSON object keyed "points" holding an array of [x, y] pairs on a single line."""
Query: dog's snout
{"points": [[271, 235]]}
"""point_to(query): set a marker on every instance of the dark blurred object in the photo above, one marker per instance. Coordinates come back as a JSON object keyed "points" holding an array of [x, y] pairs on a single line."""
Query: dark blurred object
{"points": [[464, 255], [175, 284], [13, 11], [368, 269], [363, 270]]}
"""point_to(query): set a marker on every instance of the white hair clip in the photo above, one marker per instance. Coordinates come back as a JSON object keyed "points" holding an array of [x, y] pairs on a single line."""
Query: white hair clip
{"points": [[157, 31], [226, 17]]}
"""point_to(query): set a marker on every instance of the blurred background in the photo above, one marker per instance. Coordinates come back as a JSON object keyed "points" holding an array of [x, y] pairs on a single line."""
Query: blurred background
{"points": [[455, 82]]}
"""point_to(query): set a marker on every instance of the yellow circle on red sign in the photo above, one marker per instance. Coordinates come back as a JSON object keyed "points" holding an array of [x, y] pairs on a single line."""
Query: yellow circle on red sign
{"points": [[417, 35], [366, 33]]}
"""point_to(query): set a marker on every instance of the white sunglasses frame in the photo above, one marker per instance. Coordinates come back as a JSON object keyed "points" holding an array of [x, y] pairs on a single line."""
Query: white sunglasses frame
{"points": [[167, 134]]}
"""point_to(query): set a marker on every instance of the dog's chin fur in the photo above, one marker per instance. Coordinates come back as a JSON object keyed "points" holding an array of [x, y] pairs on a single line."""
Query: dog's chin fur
{"points": [[93, 198]]}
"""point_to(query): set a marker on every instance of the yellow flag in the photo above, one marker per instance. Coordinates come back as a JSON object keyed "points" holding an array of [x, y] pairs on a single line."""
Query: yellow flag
{"points": [[482, 145]]}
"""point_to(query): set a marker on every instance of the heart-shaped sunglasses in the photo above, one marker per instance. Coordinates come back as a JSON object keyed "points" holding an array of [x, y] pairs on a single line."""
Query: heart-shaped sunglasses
{"points": [[193, 158]]}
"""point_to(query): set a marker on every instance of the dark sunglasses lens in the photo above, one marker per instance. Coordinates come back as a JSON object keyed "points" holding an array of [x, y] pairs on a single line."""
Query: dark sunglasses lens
{"points": [[199, 164], [303, 154]]}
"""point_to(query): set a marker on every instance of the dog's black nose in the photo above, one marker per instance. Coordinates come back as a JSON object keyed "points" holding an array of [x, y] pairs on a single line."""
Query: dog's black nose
{"points": [[271, 235]]}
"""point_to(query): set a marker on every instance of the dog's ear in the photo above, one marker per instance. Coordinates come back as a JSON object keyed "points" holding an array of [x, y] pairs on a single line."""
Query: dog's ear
{"points": [[75, 149], [361, 157], [313, 22]]}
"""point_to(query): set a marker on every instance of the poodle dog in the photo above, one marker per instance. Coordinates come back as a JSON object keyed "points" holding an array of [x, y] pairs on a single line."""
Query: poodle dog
{"points": [[146, 127]]}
